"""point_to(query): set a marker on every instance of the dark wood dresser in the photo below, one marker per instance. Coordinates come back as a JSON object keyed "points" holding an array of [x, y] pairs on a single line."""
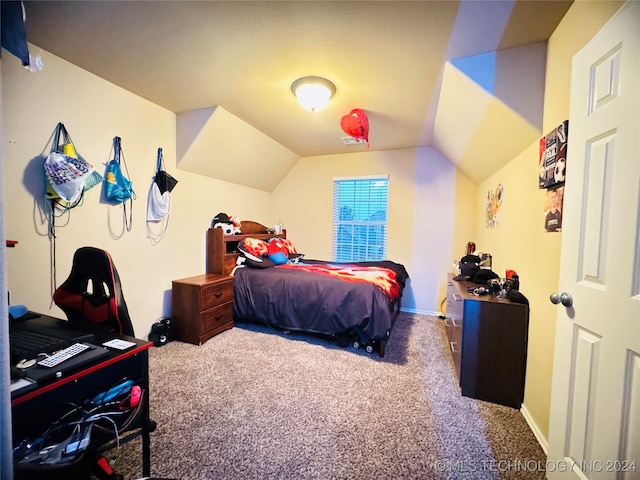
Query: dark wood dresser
{"points": [[488, 340], [201, 307]]}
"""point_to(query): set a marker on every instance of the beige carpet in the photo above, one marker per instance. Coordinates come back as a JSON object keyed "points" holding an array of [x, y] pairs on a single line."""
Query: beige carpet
{"points": [[255, 403]]}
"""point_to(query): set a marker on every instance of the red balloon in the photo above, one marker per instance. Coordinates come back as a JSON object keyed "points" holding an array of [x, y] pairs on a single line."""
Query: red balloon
{"points": [[356, 125]]}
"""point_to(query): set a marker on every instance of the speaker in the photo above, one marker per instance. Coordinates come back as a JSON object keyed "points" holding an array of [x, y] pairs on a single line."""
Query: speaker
{"points": [[161, 332]]}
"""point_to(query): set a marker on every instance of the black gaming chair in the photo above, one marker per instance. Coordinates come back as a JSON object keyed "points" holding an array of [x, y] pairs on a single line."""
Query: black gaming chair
{"points": [[91, 297]]}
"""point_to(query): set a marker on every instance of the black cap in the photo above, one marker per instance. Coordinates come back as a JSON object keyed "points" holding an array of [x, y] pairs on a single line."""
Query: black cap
{"points": [[470, 259], [221, 218]]}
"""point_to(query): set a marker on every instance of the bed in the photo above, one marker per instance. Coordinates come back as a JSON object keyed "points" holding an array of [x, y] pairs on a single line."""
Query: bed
{"points": [[355, 303]]}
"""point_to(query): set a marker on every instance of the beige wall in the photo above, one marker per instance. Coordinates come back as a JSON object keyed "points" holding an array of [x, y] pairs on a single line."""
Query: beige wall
{"points": [[94, 111], [520, 240], [425, 194]]}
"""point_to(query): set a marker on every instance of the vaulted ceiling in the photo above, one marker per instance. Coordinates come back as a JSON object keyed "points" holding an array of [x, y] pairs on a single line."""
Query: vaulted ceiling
{"points": [[465, 77]]}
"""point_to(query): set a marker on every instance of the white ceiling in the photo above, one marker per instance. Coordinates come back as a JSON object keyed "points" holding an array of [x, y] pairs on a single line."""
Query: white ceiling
{"points": [[403, 63]]}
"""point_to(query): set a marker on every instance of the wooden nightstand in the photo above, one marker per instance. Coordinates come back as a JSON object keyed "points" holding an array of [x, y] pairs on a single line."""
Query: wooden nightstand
{"points": [[201, 307]]}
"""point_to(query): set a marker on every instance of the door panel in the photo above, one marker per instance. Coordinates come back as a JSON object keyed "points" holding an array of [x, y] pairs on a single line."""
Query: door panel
{"points": [[582, 395], [594, 430], [630, 434], [596, 210]]}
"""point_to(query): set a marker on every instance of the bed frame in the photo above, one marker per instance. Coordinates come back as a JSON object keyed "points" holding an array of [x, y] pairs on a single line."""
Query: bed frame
{"points": [[222, 250], [222, 254]]}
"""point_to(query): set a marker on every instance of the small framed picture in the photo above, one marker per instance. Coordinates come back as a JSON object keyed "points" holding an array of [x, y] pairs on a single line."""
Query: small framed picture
{"points": [[553, 209]]}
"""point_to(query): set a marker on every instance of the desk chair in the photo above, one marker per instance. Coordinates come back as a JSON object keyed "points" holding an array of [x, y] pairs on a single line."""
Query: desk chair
{"points": [[91, 297]]}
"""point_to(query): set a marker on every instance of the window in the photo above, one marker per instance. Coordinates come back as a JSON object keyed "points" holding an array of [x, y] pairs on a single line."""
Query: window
{"points": [[360, 218]]}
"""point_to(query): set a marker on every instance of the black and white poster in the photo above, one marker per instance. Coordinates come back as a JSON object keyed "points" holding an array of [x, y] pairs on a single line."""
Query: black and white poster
{"points": [[553, 156]]}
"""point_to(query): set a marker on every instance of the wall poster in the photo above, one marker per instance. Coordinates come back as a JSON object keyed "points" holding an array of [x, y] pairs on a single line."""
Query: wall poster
{"points": [[494, 202], [552, 162], [553, 156], [553, 209]]}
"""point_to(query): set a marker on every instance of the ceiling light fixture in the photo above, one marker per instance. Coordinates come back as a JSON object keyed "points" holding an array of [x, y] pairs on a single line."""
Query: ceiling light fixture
{"points": [[313, 93]]}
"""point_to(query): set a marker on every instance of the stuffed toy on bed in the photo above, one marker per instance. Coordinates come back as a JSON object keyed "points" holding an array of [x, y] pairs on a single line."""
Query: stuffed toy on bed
{"points": [[277, 251]]}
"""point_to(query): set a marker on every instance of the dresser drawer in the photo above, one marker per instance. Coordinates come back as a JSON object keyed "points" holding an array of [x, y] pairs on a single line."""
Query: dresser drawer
{"points": [[216, 294], [454, 305], [216, 317], [453, 323], [453, 328], [455, 343]]}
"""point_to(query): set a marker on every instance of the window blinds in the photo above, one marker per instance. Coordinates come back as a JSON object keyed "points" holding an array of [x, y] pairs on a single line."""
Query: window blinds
{"points": [[360, 218]]}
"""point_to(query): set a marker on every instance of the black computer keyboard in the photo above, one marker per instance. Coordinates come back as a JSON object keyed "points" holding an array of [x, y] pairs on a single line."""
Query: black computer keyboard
{"points": [[27, 344]]}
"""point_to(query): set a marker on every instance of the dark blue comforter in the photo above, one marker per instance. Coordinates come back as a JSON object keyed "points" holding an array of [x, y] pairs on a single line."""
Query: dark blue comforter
{"points": [[295, 300]]}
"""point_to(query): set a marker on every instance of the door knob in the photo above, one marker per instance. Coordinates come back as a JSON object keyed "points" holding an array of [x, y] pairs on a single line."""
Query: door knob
{"points": [[564, 298]]}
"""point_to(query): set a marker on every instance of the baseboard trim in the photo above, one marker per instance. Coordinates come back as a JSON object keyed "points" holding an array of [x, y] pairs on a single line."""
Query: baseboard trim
{"points": [[534, 428], [422, 312]]}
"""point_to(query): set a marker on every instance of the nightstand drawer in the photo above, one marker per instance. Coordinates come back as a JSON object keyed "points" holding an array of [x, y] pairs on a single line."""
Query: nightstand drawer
{"points": [[216, 294], [201, 307], [216, 317]]}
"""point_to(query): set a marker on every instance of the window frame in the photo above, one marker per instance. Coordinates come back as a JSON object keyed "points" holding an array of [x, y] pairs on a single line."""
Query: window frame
{"points": [[372, 235]]}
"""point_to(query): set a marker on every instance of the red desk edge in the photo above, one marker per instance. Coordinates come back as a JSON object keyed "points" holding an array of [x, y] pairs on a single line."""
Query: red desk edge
{"points": [[81, 373]]}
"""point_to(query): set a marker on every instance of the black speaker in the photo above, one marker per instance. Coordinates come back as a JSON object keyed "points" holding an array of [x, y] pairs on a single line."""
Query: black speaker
{"points": [[161, 332]]}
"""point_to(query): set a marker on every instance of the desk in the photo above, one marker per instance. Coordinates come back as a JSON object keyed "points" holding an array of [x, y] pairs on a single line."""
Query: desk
{"points": [[31, 411]]}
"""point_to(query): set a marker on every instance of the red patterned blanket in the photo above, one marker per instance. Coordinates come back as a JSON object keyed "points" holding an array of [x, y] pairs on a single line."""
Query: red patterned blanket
{"points": [[384, 278]]}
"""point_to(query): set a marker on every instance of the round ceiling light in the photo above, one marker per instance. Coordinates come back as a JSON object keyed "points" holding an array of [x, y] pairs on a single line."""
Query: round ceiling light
{"points": [[313, 93]]}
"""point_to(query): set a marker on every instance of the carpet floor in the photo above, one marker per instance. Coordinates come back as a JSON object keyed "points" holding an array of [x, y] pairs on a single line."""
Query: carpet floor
{"points": [[257, 403]]}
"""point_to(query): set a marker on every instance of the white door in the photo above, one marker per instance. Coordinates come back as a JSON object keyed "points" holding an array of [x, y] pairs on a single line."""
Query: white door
{"points": [[594, 429]]}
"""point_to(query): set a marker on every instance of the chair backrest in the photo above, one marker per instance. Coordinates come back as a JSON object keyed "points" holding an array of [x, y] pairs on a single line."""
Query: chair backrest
{"points": [[91, 297]]}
